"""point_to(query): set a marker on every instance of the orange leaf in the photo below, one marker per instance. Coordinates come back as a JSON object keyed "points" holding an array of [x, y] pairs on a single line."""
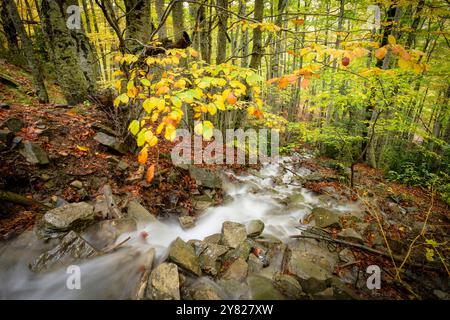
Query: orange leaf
{"points": [[304, 83], [162, 90], [150, 173], [143, 156], [231, 99], [299, 22]]}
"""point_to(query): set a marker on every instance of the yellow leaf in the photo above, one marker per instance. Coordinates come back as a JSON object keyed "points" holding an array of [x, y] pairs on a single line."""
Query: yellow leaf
{"points": [[212, 109], [153, 141], [380, 53], [198, 129], [82, 148], [170, 133], [391, 40]]}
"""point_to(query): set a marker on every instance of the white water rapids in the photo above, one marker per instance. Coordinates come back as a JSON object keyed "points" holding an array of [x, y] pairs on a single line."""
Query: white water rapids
{"points": [[116, 275]]}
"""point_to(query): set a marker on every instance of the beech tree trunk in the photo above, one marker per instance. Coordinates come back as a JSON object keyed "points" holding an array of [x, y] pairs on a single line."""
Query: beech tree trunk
{"points": [[257, 50]]}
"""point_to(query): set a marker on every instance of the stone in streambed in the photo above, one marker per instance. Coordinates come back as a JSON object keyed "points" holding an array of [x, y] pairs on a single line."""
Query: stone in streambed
{"points": [[164, 283], [325, 218], [262, 288], [34, 154], [184, 256], [237, 270], [255, 228], [233, 234]]}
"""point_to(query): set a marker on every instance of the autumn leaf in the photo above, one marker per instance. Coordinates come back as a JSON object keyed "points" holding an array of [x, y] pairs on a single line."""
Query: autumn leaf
{"points": [[150, 173], [143, 156], [82, 148], [231, 98], [298, 22], [380, 53]]}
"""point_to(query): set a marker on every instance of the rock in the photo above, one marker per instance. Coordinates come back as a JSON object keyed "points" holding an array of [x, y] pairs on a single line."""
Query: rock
{"points": [[205, 289], [311, 263], [104, 129], [72, 248], [235, 290], [122, 165], [255, 265], [441, 295], [34, 153], [343, 292], [346, 255], [103, 234], [233, 234], [206, 177], [14, 124], [73, 216], [77, 184], [4, 106], [326, 294], [110, 142], [255, 228], [288, 286], [294, 200], [186, 222], [164, 283], [351, 235], [183, 255], [214, 238], [136, 211], [209, 257], [325, 218], [236, 271], [242, 251], [262, 288]]}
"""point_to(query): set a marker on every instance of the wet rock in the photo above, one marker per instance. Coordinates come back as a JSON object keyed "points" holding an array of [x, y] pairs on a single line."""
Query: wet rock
{"points": [[209, 259], [255, 228], [6, 138], [77, 184], [288, 286], [325, 218], [294, 200], [14, 124], [236, 271], [72, 248], [136, 211], [441, 295], [73, 216], [4, 106], [233, 234], [206, 177], [205, 290], [263, 289], [255, 265], [103, 234], [237, 290], [342, 291], [186, 222], [214, 238], [164, 283], [346, 255], [351, 235], [184, 256], [110, 142], [34, 153], [326, 294]]}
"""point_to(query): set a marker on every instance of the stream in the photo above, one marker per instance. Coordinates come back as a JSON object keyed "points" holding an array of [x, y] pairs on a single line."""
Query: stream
{"points": [[255, 195]]}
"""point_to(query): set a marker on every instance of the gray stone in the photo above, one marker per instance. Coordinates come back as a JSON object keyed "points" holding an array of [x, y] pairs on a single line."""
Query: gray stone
{"points": [[325, 218], [288, 286], [205, 290], [73, 216], [214, 238], [110, 142], [263, 289], [209, 257], [103, 234], [71, 249], [441, 295], [136, 211], [186, 222], [77, 184], [206, 177], [235, 290], [255, 265], [255, 228], [34, 153], [346, 255], [164, 283], [236, 271], [122, 165], [6, 137], [351, 235], [233, 234], [184, 256]]}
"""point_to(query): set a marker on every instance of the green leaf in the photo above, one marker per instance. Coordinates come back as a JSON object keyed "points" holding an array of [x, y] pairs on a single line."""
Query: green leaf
{"points": [[141, 138], [145, 82]]}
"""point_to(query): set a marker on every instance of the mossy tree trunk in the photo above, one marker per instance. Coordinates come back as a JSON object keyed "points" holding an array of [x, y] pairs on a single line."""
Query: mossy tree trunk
{"points": [[139, 26], [70, 51]]}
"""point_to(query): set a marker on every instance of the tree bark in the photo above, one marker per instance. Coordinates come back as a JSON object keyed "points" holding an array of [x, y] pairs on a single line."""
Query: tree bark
{"points": [[38, 79], [8, 28], [222, 37], [138, 22], [257, 50], [177, 20], [160, 7]]}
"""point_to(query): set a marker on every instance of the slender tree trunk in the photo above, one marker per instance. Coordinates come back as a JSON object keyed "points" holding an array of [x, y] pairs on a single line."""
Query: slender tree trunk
{"points": [[222, 37], [32, 61], [8, 28], [160, 7], [178, 20], [138, 23], [257, 50]]}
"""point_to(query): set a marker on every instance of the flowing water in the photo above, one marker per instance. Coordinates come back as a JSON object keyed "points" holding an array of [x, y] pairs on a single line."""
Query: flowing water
{"points": [[258, 195]]}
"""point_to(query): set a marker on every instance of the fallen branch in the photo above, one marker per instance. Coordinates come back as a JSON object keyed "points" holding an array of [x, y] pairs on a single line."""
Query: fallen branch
{"points": [[116, 246], [19, 199]]}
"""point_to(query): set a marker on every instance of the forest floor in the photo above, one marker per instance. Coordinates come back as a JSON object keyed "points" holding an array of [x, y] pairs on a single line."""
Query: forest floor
{"points": [[79, 166]]}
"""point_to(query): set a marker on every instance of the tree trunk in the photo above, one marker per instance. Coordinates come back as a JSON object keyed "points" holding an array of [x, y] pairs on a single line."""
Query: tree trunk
{"points": [[32, 61], [70, 52], [222, 37], [257, 50], [138, 22], [177, 20], [160, 7], [9, 29]]}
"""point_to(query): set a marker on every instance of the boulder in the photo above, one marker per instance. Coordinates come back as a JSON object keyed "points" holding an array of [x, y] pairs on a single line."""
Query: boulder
{"points": [[184, 256], [233, 234], [6, 138], [288, 286], [205, 289], [214, 238], [164, 283], [350, 235], [236, 271], [255, 265], [262, 288], [34, 154], [136, 211], [14, 124], [110, 142], [71, 249], [205, 177], [209, 259], [255, 228], [325, 218], [72, 216]]}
